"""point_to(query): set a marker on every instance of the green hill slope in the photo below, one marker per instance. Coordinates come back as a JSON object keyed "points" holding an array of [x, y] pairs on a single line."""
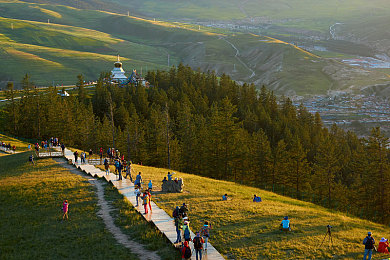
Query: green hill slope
{"points": [[30, 209], [310, 14], [86, 41], [246, 230]]}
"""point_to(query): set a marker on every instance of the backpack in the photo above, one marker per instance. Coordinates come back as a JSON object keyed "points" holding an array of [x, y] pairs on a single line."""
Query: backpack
{"points": [[175, 214], [187, 252], [369, 243], [197, 243], [205, 232], [187, 234]]}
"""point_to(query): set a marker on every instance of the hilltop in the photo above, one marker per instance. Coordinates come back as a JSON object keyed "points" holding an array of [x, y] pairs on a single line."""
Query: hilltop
{"points": [[87, 41], [246, 230]]}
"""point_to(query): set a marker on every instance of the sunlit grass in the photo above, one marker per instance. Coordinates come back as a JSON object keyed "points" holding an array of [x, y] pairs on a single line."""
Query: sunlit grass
{"points": [[246, 230], [30, 211], [20, 145]]}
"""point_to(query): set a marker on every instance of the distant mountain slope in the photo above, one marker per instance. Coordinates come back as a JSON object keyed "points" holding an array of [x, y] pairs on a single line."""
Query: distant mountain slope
{"points": [[75, 40], [54, 43]]}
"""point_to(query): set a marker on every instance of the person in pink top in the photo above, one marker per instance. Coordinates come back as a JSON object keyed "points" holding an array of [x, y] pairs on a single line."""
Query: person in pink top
{"points": [[65, 208]]}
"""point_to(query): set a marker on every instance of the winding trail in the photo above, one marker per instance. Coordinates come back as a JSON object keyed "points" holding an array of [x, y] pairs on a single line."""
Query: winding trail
{"points": [[104, 213], [238, 58]]}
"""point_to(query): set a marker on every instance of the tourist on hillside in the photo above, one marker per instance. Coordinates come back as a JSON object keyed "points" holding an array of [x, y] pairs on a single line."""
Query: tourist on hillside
{"points": [[256, 198], [368, 243], [198, 245], [285, 225], [383, 246], [65, 209], [224, 197], [31, 159], [186, 251], [150, 198], [76, 155], [137, 193], [179, 226], [145, 202], [90, 152], [138, 180], [128, 172], [164, 180], [150, 185], [106, 166], [205, 232], [170, 175], [186, 230], [101, 153], [63, 148]]}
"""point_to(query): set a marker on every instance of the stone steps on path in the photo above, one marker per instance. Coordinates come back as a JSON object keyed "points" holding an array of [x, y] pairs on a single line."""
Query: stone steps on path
{"points": [[158, 216]]}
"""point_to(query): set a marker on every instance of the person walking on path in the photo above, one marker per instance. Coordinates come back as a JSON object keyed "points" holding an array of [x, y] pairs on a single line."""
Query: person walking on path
{"points": [[128, 172], [186, 230], [198, 245], [76, 155], [179, 227], [82, 157], [119, 171], [150, 199], [368, 242], [106, 166], [138, 180], [65, 209], [145, 201], [205, 232], [186, 251], [63, 148], [137, 194]]}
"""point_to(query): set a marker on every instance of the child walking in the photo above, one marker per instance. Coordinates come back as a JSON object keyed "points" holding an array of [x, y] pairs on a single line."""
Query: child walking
{"points": [[65, 209]]}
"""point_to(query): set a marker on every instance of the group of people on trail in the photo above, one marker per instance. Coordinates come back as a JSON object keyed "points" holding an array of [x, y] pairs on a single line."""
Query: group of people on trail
{"points": [[145, 196], [8, 146], [52, 142], [113, 153], [183, 231]]}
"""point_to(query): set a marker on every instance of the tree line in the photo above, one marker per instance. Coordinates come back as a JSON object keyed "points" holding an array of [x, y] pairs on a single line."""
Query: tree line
{"points": [[212, 126]]}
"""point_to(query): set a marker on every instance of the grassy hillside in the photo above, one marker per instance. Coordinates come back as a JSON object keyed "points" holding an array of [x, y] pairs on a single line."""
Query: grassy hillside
{"points": [[30, 204], [314, 15], [31, 227], [87, 41], [246, 230]]}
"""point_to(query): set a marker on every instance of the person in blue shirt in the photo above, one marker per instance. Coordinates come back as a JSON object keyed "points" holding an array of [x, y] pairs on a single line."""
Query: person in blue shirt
{"points": [[170, 175], [285, 225], [224, 197], [256, 198], [150, 185], [138, 180]]}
